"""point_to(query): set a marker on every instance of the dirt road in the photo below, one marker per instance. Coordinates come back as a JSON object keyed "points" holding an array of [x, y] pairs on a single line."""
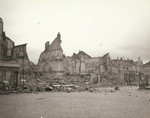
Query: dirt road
{"points": [[125, 103]]}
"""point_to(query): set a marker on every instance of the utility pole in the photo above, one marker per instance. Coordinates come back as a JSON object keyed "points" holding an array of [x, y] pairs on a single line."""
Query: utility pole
{"points": [[80, 66], [23, 67], [99, 71], [23, 55]]}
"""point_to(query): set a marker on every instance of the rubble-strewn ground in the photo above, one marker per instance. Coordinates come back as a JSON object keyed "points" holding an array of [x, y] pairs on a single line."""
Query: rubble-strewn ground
{"points": [[128, 102]]}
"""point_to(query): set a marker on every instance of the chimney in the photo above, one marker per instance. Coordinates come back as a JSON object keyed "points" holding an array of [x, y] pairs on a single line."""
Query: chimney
{"points": [[1, 26]]}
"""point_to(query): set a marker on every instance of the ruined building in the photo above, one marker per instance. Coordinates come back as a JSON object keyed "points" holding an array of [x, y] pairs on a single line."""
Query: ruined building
{"points": [[51, 59], [54, 64], [83, 63], [128, 69], [13, 59], [97, 67], [146, 68]]}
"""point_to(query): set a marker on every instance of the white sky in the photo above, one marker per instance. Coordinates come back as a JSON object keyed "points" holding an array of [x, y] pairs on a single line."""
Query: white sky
{"points": [[120, 27]]}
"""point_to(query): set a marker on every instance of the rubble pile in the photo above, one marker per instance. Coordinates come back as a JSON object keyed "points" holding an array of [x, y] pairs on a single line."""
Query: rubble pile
{"points": [[70, 83], [67, 83], [37, 82]]}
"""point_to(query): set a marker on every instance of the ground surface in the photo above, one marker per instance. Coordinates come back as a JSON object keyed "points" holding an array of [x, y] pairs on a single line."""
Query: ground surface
{"points": [[128, 102]]}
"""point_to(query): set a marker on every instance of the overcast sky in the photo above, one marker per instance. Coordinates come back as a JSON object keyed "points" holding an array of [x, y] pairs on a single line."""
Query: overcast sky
{"points": [[120, 27]]}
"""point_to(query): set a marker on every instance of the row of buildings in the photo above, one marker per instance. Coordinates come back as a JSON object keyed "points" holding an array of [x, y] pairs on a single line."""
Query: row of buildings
{"points": [[14, 62], [53, 63]]}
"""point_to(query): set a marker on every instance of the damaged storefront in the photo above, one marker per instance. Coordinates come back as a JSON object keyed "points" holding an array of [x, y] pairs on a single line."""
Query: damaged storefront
{"points": [[9, 75]]}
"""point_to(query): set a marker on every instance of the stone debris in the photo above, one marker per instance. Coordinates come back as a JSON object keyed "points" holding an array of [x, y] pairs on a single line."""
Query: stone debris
{"points": [[116, 87], [66, 84]]}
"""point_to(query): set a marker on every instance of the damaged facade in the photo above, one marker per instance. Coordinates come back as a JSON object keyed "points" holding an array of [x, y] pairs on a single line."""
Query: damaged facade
{"points": [[129, 70], [83, 63], [13, 59], [146, 68], [51, 59], [9, 69], [97, 67]]}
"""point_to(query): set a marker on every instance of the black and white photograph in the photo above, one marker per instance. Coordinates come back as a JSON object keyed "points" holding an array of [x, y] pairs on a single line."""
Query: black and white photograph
{"points": [[74, 58]]}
